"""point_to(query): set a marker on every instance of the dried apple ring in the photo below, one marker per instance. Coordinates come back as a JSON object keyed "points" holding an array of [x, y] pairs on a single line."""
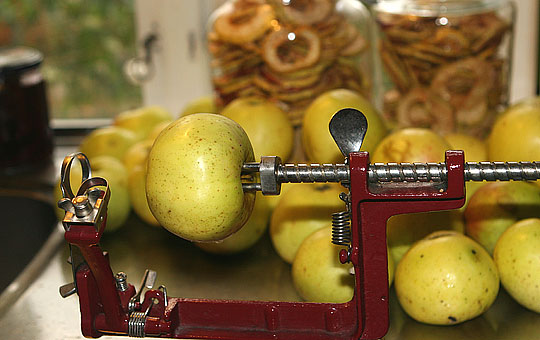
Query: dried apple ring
{"points": [[465, 85], [447, 42], [306, 12], [287, 51], [400, 73], [244, 25], [422, 108]]}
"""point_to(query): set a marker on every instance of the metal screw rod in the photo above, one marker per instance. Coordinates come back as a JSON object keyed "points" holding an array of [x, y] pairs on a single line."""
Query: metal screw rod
{"points": [[436, 172], [398, 172], [298, 173]]}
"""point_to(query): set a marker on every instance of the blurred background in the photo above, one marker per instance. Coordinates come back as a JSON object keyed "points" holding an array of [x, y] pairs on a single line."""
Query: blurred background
{"points": [[88, 46]]}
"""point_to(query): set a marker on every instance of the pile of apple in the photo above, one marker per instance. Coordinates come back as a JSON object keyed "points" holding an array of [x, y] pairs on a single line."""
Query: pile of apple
{"points": [[118, 153], [447, 266]]}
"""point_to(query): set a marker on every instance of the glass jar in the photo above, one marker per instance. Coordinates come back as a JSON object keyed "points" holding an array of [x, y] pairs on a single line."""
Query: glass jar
{"points": [[445, 63], [26, 139], [289, 51]]}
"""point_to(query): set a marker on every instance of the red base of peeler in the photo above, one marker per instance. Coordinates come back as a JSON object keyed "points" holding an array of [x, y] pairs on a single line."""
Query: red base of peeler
{"points": [[104, 308]]}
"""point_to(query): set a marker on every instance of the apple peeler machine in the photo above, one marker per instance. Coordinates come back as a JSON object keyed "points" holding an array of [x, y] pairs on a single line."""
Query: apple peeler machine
{"points": [[109, 305]]}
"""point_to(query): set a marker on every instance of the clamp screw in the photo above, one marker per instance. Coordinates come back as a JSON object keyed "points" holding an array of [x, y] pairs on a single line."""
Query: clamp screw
{"points": [[121, 281]]}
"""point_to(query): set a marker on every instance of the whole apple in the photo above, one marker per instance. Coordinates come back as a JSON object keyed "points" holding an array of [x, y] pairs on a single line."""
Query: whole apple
{"points": [[108, 141], [203, 104], [137, 194], [317, 141], [477, 328], [529, 101], [446, 279], [267, 126], [248, 235], [141, 121], [403, 230], [137, 154], [496, 206], [115, 173], [193, 184], [156, 130], [475, 151], [273, 200], [515, 135], [317, 273], [517, 256], [303, 209], [411, 145], [319, 276]]}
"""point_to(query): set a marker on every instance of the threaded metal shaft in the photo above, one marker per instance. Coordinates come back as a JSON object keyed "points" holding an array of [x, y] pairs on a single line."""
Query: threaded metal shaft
{"points": [[502, 171], [409, 172], [437, 172], [391, 172], [298, 173]]}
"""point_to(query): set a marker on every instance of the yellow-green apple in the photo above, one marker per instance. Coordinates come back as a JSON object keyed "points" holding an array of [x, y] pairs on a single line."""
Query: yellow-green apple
{"points": [[529, 101], [137, 154], [267, 126], [115, 173], [403, 230], [135, 161], [411, 145], [475, 148], [317, 141], [156, 130], [391, 267], [517, 256], [141, 121], [497, 205], [477, 328], [108, 141], [446, 278], [318, 275], [515, 135], [203, 104], [475, 151], [193, 184], [248, 235], [137, 194], [303, 209], [273, 200], [415, 145]]}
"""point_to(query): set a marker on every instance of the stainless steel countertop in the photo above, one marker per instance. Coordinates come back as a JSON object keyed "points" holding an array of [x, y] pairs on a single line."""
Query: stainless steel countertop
{"points": [[187, 271], [40, 313]]}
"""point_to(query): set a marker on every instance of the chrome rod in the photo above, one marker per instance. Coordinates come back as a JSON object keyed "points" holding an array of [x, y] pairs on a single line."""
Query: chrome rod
{"points": [[398, 172]]}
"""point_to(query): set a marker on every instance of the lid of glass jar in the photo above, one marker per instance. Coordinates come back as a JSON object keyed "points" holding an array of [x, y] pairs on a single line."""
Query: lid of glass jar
{"points": [[431, 8], [15, 59]]}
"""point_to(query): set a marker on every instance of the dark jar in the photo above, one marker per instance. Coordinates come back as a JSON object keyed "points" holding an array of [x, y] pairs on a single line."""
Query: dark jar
{"points": [[26, 139]]}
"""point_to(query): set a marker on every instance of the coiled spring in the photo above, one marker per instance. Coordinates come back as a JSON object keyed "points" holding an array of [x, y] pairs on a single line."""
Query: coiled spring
{"points": [[137, 320], [341, 228], [341, 224], [136, 323]]}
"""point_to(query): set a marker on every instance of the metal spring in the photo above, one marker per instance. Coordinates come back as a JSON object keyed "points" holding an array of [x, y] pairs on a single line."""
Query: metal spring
{"points": [[136, 323], [341, 228]]}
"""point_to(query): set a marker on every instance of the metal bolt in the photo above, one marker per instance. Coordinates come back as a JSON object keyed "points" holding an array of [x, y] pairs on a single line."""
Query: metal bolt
{"points": [[121, 281]]}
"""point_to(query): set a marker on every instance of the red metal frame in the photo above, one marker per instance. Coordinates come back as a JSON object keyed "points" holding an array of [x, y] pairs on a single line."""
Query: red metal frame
{"points": [[104, 308]]}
